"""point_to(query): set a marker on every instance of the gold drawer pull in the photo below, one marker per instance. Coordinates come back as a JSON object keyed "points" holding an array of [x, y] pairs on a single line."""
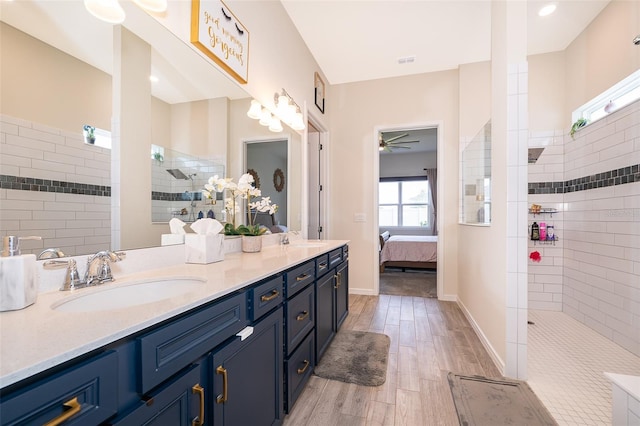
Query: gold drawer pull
{"points": [[338, 278], [302, 315], [303, 369], [302, 277], [199, 421], [221, 399], [322, 265], [73, 407], [273, 295]]}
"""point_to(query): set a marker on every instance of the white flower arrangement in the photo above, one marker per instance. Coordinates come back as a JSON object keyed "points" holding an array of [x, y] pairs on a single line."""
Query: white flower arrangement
{"points": [[243, 190]]}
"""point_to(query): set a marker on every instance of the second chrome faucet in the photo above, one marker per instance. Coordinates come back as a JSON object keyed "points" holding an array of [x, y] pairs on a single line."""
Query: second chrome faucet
{"points": [[98, 269]]}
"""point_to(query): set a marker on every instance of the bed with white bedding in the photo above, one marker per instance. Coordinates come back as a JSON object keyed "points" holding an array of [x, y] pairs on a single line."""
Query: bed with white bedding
{"points": [[408, 251]]}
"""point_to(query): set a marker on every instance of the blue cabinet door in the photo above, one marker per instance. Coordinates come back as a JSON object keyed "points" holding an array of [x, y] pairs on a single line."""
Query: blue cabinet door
{"points": [[325, 318], [248, 377], [180, 402], [342, 293]]}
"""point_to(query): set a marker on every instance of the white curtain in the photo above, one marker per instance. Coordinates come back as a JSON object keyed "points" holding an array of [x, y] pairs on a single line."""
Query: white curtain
{"points": [[432, 176]]}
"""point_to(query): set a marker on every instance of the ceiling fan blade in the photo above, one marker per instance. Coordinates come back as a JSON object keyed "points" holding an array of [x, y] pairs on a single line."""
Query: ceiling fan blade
{"points": [[400, 146], [394, 143], [394, 138]]}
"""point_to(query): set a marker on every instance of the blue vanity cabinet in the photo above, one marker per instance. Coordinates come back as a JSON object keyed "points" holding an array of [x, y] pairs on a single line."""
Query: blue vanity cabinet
{"points": [[82, 394], [180, 402], [332, 299], [247, 376]]}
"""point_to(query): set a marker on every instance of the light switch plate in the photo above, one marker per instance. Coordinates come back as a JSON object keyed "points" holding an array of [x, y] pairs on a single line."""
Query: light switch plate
{"points": [[359, 217]]}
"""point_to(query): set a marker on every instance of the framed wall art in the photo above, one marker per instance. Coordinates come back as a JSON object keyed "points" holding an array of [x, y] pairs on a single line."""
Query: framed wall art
{"points": [[217, 33], [319, 92]]}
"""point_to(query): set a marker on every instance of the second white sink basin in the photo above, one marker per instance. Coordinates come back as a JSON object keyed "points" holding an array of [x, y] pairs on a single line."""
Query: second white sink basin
{"points": [[129, 294]]}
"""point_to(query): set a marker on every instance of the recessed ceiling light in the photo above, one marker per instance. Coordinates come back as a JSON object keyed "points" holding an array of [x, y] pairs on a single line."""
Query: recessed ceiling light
{"points": [[547, 10], [154, 79]]}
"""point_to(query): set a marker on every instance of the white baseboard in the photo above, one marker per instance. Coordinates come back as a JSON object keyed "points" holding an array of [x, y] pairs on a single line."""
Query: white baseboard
{"points": [[483, 339], [449, 298], [363, 292]]}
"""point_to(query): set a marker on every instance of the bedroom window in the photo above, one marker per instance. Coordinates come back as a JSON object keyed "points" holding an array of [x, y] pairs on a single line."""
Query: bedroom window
{"points": [[403, 202]]}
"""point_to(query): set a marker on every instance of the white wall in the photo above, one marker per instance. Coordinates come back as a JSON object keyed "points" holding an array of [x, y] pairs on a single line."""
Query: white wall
{"points": [[407, 164]]}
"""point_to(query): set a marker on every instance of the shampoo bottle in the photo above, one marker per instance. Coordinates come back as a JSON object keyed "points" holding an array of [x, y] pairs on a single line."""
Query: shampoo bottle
{"points": [[535, 232], [543, 231], [18, 278]]}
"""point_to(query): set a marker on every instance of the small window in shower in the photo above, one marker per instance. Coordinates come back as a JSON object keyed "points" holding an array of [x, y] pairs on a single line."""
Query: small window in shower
{"points": [[96, 136], [616, 97]]}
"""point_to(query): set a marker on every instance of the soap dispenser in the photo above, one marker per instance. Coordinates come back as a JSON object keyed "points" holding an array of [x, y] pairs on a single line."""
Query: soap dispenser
{"points": [[18, 278]]}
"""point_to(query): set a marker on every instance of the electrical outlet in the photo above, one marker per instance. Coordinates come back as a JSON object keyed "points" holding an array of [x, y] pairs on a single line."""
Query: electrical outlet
{"points": [[359, 217]]}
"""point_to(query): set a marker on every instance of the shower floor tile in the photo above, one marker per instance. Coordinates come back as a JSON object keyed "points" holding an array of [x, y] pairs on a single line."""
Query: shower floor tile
{"points": [[566, 362]]}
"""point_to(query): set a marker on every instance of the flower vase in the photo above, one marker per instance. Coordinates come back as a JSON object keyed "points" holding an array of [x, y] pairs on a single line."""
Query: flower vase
{"points": [[251, 243]]}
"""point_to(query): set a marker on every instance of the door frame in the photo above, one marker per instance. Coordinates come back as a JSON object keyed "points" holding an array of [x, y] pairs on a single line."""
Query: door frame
{"points": [[440, 272], [324, 177]]}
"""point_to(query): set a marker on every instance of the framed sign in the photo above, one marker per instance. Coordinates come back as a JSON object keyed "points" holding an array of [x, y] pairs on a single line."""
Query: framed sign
{"points": [[217, 32], [319, 92]]}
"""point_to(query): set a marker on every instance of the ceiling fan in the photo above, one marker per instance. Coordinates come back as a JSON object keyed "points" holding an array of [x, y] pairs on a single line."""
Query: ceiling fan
{"points": [[392, 143]]}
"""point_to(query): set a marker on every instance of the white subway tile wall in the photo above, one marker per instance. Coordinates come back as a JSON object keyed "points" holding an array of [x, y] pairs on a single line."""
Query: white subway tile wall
{"points": [[593, 272], [55, 186]]}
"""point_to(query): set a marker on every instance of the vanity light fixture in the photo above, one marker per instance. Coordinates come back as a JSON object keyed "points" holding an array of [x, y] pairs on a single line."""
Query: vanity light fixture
{"points": [[106, 10], [275, 125], [547, 9], [265, 117], [255, 110], [288, 110], [153, 79]]}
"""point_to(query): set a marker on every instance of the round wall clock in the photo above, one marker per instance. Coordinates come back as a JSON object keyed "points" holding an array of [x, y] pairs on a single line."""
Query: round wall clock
{"points": [[278, 180]]}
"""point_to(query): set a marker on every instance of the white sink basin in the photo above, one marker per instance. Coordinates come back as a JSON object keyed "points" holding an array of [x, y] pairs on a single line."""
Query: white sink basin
{"points": [[308, 243], [116, 295]]}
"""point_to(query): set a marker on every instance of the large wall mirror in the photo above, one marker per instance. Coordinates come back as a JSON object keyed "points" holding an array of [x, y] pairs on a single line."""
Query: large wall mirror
{"points": [[61, 69]]}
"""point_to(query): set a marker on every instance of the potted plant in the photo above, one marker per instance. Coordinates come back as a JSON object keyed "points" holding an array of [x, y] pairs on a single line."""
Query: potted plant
{"points": [[158, 157], [580, 123], [89, 134], [244, 189]]}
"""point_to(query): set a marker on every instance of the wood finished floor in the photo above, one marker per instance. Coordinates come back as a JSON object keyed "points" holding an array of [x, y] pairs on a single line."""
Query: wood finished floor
{"points": [[429, 338]]}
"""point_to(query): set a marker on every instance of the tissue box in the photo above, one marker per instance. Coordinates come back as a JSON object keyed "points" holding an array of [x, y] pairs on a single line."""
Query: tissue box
{"points": [[204, 248], [171, 239]]}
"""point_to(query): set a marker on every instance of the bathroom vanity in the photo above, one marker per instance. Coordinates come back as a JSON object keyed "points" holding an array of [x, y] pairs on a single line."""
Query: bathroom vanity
{"points": [[236, 348]]}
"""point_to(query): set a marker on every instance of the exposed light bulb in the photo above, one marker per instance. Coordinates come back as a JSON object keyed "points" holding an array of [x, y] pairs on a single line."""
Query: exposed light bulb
{"points": [[106, 10], [255, 111], [547, 10], [297, 122]]}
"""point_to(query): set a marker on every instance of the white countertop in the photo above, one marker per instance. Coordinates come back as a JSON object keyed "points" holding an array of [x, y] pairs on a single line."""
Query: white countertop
{"points": [[37, 338]]}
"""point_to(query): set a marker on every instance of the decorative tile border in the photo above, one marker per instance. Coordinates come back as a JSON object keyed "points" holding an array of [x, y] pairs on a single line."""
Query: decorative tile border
{"points": [[47, 185], [175, 196], [614, 177]]}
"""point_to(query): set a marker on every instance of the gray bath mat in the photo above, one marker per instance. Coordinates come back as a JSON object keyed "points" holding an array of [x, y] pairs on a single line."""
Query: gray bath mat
{"points": [[356, 357], [483, 401]]}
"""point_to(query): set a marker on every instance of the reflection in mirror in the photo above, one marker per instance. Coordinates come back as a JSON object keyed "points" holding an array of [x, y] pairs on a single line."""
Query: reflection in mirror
{"points": [[267, 162], [53, 82], [475, 168], [177, 180]]}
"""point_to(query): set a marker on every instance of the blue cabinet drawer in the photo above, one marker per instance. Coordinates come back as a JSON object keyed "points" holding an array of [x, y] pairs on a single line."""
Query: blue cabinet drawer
{"points": [[335, 257], [165, 351], [84, 394], [298, 278], [298, 368], [300, 317], [264, 297], [322, 265]]}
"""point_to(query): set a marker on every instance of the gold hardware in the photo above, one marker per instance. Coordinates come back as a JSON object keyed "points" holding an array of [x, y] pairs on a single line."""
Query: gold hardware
{"points": [[303, 369], [302, 277], [339, 283], [221, 399], [273, 295], [73, 407], [199, 421], [322, 265], [301, 316]]}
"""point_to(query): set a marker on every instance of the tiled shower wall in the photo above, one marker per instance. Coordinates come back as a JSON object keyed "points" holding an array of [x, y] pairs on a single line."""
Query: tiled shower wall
{"points": [[602, 227], [55, 186], [546, 187], [593, 272]]}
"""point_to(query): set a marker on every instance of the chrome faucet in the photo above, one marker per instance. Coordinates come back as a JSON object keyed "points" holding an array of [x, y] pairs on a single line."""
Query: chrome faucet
{"points": [[98, 269]]}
